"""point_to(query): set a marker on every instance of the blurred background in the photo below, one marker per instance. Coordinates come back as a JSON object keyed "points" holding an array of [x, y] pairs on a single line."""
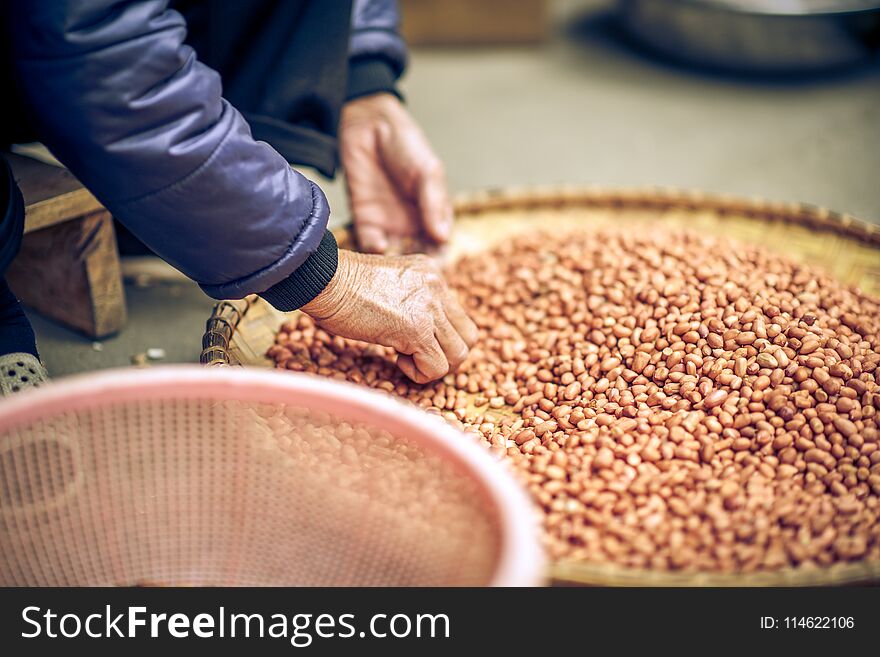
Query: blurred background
{"points": [[743, 97]]}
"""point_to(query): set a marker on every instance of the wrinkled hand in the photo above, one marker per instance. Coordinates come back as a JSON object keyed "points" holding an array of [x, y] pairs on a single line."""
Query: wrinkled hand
{"points": [[400, 302], [396, 184]]}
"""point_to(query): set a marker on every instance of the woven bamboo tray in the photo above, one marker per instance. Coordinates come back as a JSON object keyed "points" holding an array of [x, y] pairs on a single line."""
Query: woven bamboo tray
{"points": [[240, 332]]}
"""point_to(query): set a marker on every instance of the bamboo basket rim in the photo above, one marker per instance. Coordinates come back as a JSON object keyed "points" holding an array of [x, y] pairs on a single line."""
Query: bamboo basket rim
{"points": [[226, 316]]}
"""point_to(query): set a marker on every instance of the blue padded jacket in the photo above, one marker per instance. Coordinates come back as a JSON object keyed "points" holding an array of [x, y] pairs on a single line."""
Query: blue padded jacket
{"points": [[118, 97]]}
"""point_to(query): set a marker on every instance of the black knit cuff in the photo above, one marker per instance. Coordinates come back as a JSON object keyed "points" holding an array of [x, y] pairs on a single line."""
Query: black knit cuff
{"points": [[371, 75], [309, 280]]}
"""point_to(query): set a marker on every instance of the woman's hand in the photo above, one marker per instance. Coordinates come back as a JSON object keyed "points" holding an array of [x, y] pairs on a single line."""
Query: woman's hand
{"points": [[396, 184], [400, 302]]}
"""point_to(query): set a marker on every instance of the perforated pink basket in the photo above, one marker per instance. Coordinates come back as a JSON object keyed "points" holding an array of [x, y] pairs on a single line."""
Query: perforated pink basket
{"points": [[228, 476]]}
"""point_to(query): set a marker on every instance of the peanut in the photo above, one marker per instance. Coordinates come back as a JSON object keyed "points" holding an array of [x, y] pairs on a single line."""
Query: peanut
{"points": [[665, 394]]}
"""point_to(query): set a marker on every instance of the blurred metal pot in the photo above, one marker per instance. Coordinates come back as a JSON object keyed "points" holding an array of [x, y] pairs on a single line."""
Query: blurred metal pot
{"points": [[771, 36]]}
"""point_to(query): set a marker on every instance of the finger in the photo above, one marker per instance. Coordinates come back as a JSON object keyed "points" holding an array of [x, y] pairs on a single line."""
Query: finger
{"points": [[371, 238], [459, 319], [383, 216], [408, 367], [426, 364], [379, 212], [452, 344], [431, 361], [435, 206]]}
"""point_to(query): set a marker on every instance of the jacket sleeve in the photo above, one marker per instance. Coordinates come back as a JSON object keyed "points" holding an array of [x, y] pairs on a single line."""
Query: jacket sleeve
{"points": [[377, 53], [120, 100]]}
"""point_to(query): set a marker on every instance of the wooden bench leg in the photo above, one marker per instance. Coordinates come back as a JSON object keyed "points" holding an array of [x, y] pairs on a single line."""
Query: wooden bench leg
{"points": [[70, 273]]}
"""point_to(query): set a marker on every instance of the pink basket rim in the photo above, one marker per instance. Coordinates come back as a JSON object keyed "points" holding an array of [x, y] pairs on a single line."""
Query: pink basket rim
{"points": [[521, 562]]}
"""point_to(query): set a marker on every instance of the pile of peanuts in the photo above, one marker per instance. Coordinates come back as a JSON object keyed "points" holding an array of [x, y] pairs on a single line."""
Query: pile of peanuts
{"points": [[672, 401]]}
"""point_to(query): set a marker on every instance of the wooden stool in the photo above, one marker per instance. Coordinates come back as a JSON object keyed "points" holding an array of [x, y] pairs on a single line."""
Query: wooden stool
{"points": [[68, 266]]}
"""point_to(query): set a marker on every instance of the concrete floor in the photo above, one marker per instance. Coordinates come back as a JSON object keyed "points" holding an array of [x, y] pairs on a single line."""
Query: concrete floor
{"points": [[584, 108]]}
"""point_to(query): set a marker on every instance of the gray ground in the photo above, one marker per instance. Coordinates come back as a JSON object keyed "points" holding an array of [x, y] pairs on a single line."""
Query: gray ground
{"points": [[585, 108]]}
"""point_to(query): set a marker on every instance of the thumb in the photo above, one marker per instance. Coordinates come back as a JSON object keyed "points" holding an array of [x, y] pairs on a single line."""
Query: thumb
{"points": [[429, 363], [407, 366], [371, 238], [412, 365]]}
